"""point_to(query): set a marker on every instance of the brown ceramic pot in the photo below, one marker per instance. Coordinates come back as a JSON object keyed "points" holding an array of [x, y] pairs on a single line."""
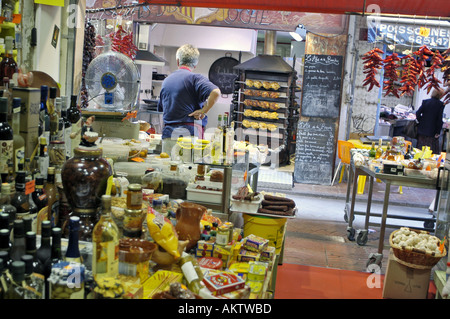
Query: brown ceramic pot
{"points": [[188, 217]]}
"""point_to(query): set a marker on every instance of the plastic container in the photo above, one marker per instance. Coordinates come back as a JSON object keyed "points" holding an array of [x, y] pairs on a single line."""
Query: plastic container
{"points": [[271, 228], [134, 170], [203, 195], [246, 206]]}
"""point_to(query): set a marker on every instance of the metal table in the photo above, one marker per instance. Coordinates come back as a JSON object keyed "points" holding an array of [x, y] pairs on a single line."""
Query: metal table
{"points": [[388, 180]]}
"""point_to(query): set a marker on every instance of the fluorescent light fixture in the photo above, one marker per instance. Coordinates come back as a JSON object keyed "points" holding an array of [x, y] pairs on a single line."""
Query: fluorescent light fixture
{"points": [[299, 33]]}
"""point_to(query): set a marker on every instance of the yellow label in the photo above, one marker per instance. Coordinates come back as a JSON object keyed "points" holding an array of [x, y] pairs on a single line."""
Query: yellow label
{"points": [[56, 3], [424, 32]]}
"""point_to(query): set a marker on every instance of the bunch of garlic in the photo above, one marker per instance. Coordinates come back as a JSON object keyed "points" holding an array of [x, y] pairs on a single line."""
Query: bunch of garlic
{"points": [[405, 237]]}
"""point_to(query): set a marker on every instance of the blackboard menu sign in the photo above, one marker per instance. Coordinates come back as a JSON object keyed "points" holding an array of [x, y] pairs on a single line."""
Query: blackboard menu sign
{"points": [[223, 74], [322, 80], [314, 154]]}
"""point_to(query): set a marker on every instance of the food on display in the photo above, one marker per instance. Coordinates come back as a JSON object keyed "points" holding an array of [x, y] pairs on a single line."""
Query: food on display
{"points": [[373, 62], [421, 240], [391, 74]]}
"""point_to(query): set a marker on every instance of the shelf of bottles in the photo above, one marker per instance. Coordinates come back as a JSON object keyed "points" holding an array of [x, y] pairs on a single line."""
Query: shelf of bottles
{"points": [[265, 108]]}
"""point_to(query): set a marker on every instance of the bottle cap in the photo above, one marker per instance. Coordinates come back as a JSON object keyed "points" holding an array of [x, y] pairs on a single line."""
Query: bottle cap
{"points": [[74, 223], [46, 226], [53, 91], [28, 260], [18, 270], [16, 102]]}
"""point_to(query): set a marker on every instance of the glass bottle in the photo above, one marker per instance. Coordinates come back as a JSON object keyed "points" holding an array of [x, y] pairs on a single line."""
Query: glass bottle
{"points": [[53, 115], [8, 65], [3, 279], [10, 178], [16, 288], [52, 196], [217, 146], [43, 159], [30, 244], [105, 243], [60, 135], [56, 256], [4, 221], [43, 114], [18, 140], [6, 139], [224, 132], [39, 196], [20, 200], [43, 254], [18, 243], [193, 274], [5, 243], [27, 223], [67, 128], [73, 113], [372, 151], [73, 250], [34, 282], [408, 154], [6, 206]]}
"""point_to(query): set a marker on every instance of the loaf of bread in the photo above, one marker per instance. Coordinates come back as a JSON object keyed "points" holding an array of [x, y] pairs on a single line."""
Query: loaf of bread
{"points": [[216, 176]]}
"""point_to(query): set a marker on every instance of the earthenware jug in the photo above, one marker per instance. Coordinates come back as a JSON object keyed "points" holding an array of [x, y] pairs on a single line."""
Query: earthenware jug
{"points": [[188, 217]]}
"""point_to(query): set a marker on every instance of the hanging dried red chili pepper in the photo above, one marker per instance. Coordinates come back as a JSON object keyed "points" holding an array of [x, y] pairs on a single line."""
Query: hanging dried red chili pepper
{"points": [[446, 73], [432, 81], [390, 74], [122, 41], [372, 63], [411, 70], [422, 55]]}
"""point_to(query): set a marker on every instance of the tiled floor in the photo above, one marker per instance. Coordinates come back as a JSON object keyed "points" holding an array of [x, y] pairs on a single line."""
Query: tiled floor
{"points": [[318, 234]]}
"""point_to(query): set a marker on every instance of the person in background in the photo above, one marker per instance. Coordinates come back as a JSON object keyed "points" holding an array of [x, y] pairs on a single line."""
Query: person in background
{"points": [[429, 115], [185, 99]]}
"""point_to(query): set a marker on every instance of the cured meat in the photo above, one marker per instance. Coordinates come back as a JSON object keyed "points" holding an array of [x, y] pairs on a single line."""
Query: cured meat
{"points": [[372, 63]]}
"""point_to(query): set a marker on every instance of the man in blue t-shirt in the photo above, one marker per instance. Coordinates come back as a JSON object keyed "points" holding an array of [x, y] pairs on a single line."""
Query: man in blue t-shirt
{"points": [[186, 97]]}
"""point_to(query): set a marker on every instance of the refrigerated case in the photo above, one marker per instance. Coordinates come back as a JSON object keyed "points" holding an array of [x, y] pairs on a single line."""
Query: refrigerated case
{"points": [[443, 209]]}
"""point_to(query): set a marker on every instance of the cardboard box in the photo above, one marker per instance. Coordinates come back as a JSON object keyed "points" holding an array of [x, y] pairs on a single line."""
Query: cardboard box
{"points": [[29, 116], [394, 169], [402, 282]]}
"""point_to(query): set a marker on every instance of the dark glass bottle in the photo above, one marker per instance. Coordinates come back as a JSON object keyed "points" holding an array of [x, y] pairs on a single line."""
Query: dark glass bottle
{"points": [[408, 154], [6, 139], [39, 196], [67, 128], [73, 113], [27, 223], [5, 243], [30, 244], [44, 253], [19, 200], [34, 282], [43, 159], [44, 118], [18, 244], [52, 196], [4, 221], [3, 279], [6, 207], [8, 65], [73, 250]]}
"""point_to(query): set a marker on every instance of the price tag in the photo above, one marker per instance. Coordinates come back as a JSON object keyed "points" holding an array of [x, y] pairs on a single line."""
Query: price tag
{"points": [[29, 187]]}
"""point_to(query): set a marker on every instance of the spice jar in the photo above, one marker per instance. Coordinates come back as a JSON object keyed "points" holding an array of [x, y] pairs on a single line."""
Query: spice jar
{"points": [[223, 235], [134, 196], [67, 281]]}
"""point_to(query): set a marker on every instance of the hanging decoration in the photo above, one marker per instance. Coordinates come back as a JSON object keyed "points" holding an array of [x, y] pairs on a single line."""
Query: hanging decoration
{"points": [[88, 56], [436, 63], [446, 74], [122, 41], [391, 74], [372, 63]]}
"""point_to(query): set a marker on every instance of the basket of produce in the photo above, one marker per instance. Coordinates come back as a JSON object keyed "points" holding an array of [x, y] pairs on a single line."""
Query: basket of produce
{"points": [[416, 248]]}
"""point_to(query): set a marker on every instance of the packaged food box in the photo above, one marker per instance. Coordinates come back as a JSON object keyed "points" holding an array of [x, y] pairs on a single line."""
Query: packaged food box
{"points": [[240, 269], [205, 245], [257, 271], [255, 243], [268, 253], [223, 283], [210, 262], [247, 255], [204, 253]]}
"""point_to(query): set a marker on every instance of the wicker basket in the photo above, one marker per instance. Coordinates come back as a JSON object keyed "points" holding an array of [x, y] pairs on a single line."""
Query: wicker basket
{"points": [[415, 258]]}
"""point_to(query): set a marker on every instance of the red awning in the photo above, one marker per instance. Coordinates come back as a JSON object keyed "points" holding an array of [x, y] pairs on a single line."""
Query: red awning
{"points": [[431, 8]]}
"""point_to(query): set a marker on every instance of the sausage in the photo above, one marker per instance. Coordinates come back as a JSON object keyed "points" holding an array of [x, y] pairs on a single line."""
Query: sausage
{"points": [[278, 203]]}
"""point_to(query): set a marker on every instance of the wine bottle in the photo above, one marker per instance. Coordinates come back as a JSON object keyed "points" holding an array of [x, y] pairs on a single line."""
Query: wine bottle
{"points": [[8, 66], [18, 243], [73, 250], [372, 151], [35, 286], [4, 221], [43, 159], [408, 154], [74, 117], [5, 243], [39, 196], [30, 244], [20, 200], [56, 245], [43, 112], [379, 149], [18, 140], [52, 196], [6, 139], [53, 114], [105, 243], [6, 206], [44, 253], [193, 274]]}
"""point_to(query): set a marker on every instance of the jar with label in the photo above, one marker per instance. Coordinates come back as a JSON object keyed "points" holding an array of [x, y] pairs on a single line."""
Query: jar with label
{"points": [[67, 281], [223, 235], [133, 220], [57, 153], [134, 197]]}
